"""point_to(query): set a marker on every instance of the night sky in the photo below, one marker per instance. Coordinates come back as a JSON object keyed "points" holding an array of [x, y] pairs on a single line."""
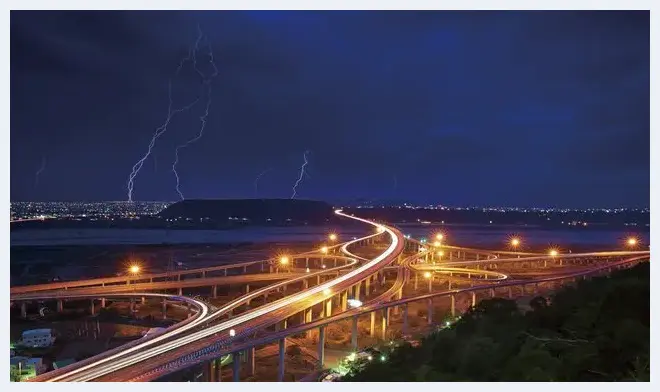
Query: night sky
{"points": [[457, 108]]}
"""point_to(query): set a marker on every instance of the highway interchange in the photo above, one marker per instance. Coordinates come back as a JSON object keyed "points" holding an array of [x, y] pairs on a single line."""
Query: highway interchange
{"points": [[211, 333]]}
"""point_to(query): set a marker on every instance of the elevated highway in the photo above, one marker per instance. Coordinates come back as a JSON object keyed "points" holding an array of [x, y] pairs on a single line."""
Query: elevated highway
{"points": [[219, 333]]}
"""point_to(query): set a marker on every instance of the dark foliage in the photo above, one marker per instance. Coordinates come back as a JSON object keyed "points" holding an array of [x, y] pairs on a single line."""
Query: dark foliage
{"points": [[596, 331]]}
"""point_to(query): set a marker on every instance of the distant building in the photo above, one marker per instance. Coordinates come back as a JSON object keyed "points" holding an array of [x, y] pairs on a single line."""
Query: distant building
{"points": [[38, 337], [25, 368]]}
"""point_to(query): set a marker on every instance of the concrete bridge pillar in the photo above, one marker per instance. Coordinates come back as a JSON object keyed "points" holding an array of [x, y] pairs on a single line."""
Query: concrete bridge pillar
{"points": [[60, 306], [102, 303], [280, 368], [251, 359], [492, 293], [429, 311], [91, 307], [357, 290], [415, 281], [209, 371], [453, 305], [215, 291], [328, 307], [354, 334], [23, 309], [474, 299], [132, 305], [372, 328], [344, 301], [306, 262], [384, 323], [236, 366], [366, 286], [308, 319], [164, 308], [321, 347], [510, 292], [405, 319], [203, 274], [181, 291], [245, 269], [143, 300]]}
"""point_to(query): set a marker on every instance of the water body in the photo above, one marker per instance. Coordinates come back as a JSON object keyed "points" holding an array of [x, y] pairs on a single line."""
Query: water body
{"points": [[465, 236]]}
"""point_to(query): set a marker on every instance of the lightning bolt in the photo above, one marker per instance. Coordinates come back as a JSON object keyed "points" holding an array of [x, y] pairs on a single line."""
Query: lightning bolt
{"points": [[302, 174], [170, 113], [207, 84], [256, 180], [41, 170]]}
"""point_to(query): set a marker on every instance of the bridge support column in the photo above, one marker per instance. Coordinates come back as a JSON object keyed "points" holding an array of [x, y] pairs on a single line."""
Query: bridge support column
{"points": [[60, 306], [245, 269], [354, 334], [405, 319], [366, 286], [328, 307], [91, 307], [209, 371], [102, 303], [23, 309], [372, 329], [429, 311], [236, 366], [215, 292], [143, 300], [357, 290], [384, 323], [510, 292], [474, 299], [132, 305], [280, 368], [453, 306], [492, 293], [251, 360], [321, 347], [164, 308], [318, 280], [415, 281], [344, 301], [308, 319], [218, 369], [180, 291]]}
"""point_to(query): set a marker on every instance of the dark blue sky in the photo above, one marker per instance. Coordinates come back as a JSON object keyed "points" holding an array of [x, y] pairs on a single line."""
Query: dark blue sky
{"points": [[460, 108]]}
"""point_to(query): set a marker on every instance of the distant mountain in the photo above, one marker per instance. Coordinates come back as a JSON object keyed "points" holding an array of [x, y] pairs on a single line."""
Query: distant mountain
{"points": [[251, 211]]}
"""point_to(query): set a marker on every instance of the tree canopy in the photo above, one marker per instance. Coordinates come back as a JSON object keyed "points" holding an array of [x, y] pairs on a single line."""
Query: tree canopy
{"points": [[597, 330]]}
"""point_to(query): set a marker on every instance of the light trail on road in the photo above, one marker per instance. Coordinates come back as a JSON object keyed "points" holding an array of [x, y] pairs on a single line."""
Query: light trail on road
{"points": [[103, 369]]}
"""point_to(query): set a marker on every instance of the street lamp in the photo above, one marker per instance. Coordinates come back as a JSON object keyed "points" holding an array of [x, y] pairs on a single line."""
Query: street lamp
{"points": [[441, 253], [326, 291], [284, 260], [554, 252], [134, 269], [232, 333], [632, 242], [439, 237], [333, 237], [324, 249], [515, 241], [437, 244]]}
